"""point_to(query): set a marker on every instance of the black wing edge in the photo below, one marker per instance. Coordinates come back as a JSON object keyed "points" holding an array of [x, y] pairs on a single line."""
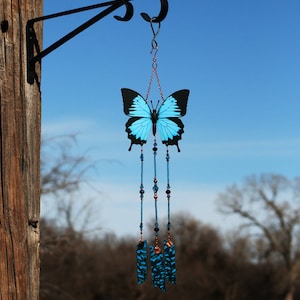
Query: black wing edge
{"points": [[128, 96], [182, 98], [176, 138], [133, 139]]}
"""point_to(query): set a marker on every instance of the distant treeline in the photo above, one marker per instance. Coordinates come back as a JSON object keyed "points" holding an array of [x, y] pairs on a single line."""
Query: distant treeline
{"points": [[210, 267]]}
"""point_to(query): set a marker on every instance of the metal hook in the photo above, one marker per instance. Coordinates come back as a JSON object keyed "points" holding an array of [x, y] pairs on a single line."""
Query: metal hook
{"points": [[129, 11], [162, 14], [155, 33]]}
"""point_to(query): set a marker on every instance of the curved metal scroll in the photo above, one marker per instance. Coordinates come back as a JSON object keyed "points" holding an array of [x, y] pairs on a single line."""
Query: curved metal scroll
{"points": [[129, 12], [162, 14]]}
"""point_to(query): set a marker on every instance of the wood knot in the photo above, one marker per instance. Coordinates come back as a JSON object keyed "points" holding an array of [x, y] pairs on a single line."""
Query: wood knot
{"points": [[33, 223]]}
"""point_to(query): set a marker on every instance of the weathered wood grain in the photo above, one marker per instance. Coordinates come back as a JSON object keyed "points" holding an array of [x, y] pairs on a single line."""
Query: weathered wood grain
{"points": [[20, 105]]}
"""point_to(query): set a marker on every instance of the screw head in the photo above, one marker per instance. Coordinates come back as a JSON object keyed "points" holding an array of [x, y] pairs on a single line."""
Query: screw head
{"points": [[4, 26]]}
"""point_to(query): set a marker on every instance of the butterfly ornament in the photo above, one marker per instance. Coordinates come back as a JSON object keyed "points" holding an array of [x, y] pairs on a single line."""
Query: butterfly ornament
{"points": [[165, 120]]}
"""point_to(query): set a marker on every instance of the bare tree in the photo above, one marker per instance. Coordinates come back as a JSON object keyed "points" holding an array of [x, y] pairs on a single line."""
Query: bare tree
{"points": [[272, 220], [61, 171], [64, 182]]}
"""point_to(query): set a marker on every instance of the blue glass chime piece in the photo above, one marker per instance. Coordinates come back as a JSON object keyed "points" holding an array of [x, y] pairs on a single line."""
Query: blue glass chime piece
{"points": [[141, 261], [158, 269], [170, 261]]}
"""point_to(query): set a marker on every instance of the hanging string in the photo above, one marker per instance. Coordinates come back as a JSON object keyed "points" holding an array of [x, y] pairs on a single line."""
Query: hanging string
{"points": [[141, 249], [168, 192], [156, 255], [154, 50], [155, 196], [169, 247], [142, 192]]}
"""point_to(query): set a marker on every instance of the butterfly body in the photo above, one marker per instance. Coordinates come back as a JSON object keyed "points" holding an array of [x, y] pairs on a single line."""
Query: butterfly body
{"points": [[154, 118], [165, 119]]}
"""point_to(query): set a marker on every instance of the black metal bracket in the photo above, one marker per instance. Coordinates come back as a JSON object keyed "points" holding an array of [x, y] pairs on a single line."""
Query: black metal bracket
{"points": [[34, 53]]}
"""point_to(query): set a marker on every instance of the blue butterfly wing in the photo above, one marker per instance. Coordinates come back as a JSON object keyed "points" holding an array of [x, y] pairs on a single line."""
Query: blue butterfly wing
{"points": [[175, 105], [170, 130], [140, 123], [138, 129], [169, 125]]}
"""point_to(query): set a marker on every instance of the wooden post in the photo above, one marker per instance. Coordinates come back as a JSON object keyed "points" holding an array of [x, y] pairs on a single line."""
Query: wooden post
{"points": [[20, 107]]}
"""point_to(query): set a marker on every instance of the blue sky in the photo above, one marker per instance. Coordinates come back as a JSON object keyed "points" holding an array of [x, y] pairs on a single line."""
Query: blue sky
{"points": [[241, 62]]}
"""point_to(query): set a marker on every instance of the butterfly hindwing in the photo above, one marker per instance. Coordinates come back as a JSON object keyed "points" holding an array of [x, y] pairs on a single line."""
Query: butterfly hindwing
{"points": [[170, 130], [169, 125], [139, 125], [138, 129]]}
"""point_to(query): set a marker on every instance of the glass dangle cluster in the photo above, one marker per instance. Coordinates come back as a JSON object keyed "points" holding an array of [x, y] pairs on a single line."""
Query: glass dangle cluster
{"points": [[163, 262]]}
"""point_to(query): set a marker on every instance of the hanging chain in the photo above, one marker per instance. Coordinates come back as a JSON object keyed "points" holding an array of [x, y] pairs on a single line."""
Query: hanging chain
{"points": [[154, 50]]}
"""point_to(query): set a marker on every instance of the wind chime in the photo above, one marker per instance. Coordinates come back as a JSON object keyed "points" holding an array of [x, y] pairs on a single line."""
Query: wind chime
{"points": [[166, 121]]}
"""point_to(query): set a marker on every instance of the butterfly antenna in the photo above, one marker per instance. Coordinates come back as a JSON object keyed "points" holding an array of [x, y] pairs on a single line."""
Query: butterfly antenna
{"points": [[157, 105], [151, 104]]}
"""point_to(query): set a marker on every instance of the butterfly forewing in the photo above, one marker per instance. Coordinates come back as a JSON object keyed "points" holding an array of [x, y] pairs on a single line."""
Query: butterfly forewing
{"points": [[134, 104], [174, 105]]}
